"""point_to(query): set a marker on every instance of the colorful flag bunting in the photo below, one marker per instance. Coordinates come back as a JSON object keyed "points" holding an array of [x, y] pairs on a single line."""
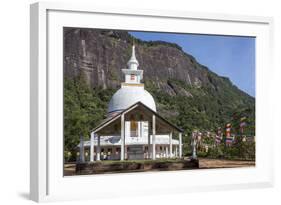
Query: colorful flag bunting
{"points": [[242, 124], [229, 138], [218, 136]]}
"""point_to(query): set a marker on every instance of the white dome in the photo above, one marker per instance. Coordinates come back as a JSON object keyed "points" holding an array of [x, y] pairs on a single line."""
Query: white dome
{"points": [[127, 96]]}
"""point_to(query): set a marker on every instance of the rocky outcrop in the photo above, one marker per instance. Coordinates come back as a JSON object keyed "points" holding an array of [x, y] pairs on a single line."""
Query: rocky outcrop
{"points": [[186, 92], [100, 55]]}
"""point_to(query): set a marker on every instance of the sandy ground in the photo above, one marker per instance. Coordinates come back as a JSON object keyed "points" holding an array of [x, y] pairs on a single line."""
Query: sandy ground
{"points": [[69, 169], [220, 163]]}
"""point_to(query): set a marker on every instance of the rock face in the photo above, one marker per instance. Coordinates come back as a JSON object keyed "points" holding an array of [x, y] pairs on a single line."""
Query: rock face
{"points": [[186, 92], [101, 54]]}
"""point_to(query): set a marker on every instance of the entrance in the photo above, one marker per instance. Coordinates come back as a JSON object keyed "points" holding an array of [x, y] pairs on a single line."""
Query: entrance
{"points": [[135, 152]]}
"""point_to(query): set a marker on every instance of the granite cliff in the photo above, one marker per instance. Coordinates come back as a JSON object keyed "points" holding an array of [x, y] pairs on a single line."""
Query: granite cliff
{"points": [[186, 92]]}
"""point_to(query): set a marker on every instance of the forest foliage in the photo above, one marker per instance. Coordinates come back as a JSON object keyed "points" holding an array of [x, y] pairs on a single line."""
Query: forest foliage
{"points": [[204, 110]]}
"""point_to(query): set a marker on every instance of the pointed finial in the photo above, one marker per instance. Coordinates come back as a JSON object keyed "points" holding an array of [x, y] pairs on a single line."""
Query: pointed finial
{"points": [[133, 52], [133, 62]]}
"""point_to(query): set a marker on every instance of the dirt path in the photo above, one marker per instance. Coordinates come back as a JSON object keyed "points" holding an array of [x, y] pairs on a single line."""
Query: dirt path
{"points": [[221, 163]]}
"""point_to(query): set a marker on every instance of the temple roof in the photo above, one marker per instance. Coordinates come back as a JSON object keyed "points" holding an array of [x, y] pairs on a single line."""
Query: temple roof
{"points": [[111, 125]]}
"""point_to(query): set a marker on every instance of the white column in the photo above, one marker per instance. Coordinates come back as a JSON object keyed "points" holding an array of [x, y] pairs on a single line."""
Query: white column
{"points": [[92, 147], [127, 129], [180, 145], [149, 141], [98, 149], [139, 129], [125, 151], [82, 157], [194, 144], [171, 145], [153, 137], [122, 137], [156, 150], [167, 151]]}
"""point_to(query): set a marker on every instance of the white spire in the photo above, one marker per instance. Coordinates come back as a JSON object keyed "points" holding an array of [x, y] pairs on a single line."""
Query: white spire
{"points": [[133, 62], [132, 74]]}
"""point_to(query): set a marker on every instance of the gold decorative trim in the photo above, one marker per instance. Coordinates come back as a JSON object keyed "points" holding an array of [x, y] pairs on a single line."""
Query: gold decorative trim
{"points": [[133, 84]]}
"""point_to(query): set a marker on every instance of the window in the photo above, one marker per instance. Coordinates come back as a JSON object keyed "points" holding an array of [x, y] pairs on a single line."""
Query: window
{"points": [[134, 128], [133, 76]]}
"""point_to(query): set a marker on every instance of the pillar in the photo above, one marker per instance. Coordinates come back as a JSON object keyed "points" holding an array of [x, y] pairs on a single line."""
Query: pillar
{"points": [[158, 151], [180, 145], [153, 137], [125, 151], [149, 141], [92, 147], [81, 156], [122, 154], [167, 151], [171, 144], [139, 129], [98, 149], [194, 144]]}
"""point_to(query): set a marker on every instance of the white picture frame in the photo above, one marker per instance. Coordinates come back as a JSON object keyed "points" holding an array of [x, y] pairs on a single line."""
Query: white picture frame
{"points": [[46, 155]]}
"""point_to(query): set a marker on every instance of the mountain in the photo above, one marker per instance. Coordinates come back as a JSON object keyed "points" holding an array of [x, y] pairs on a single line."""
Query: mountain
{"points": [[186, 92]]}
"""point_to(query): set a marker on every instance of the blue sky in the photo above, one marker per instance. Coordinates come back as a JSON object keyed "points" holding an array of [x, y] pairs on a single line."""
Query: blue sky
{"points": [[229, 56]]}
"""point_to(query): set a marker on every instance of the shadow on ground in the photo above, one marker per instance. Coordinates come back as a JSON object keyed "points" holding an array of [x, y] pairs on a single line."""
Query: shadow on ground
{"points": [[24, 195]]}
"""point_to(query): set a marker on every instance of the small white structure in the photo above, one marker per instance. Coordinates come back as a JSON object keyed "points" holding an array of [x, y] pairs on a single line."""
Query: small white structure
{"points": [[133, 129]]}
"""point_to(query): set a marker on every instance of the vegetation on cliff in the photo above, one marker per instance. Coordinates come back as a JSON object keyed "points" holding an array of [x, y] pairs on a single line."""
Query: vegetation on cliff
{"points": [[188, 94]]}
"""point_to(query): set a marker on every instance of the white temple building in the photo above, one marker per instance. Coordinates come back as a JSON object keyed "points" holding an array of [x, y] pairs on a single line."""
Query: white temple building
{"points": [[133, 129]]}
